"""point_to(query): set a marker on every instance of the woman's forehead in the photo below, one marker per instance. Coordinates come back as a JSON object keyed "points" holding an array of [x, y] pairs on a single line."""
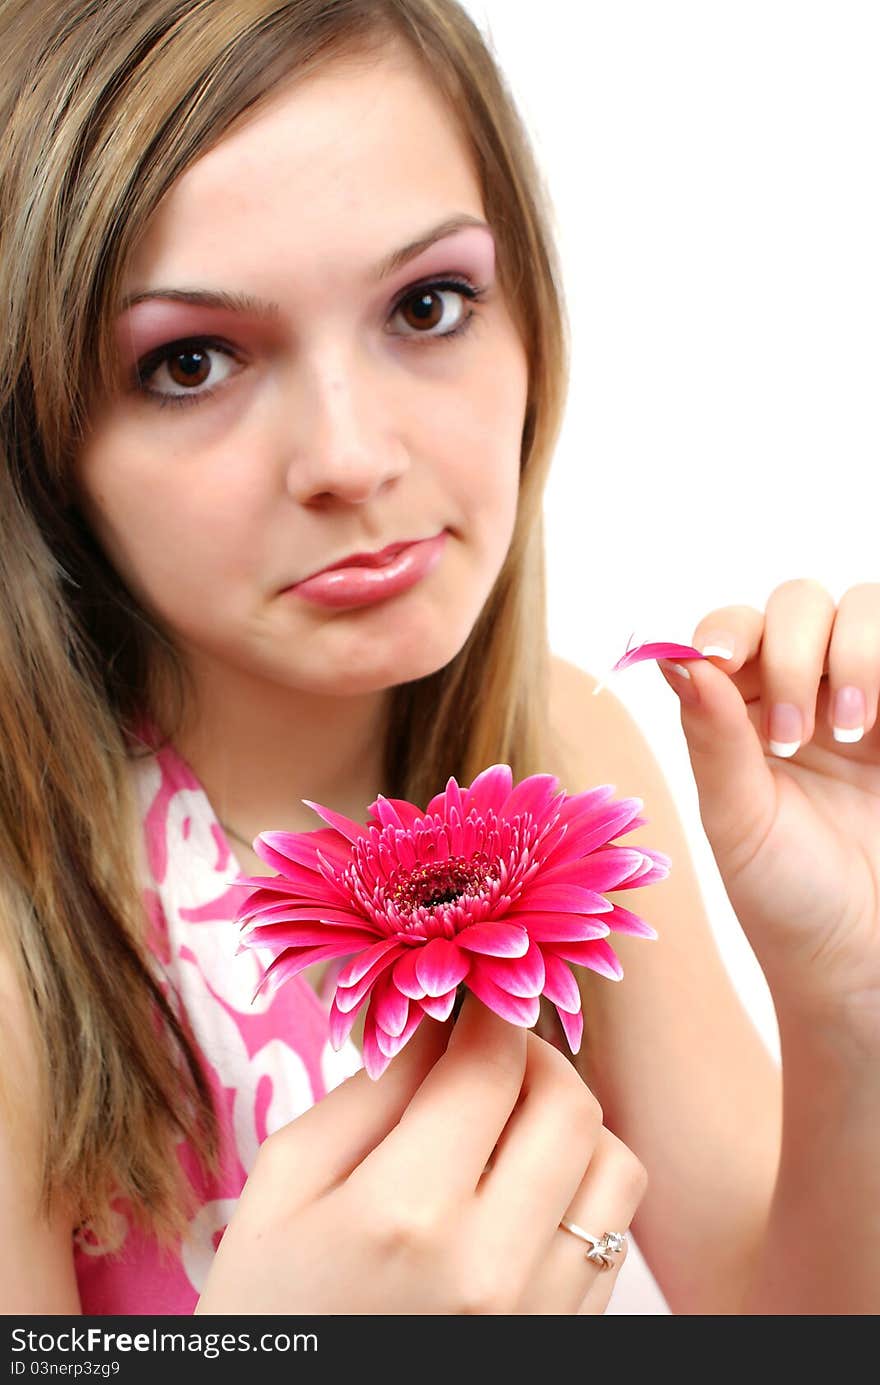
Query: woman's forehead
{"points": [[330, 172]]}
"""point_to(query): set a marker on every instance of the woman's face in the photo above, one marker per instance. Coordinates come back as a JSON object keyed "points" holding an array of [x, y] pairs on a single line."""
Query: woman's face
{"points": [[342, 396]]}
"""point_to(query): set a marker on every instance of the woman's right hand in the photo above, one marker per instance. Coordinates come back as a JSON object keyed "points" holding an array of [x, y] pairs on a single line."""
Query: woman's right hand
{"points": [[378, 1200]]}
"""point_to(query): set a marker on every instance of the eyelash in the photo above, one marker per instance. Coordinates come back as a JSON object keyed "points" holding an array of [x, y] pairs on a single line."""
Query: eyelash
{"points": [[151, 363]]}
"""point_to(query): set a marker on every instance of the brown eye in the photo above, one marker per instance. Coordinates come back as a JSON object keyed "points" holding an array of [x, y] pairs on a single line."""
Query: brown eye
{"points": [[179, 371], [188, 368], [423, 309], [434, 311]]}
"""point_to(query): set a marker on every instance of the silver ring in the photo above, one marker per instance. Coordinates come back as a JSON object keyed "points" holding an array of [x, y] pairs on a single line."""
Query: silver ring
{"points": [[602, 1248]]}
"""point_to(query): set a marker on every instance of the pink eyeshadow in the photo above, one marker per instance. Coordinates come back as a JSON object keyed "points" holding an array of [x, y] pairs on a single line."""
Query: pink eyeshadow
{"points": [[149, 324]]}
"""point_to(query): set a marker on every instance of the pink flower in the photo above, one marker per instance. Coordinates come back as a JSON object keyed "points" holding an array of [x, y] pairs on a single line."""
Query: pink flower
{"points": [[496, 887]]}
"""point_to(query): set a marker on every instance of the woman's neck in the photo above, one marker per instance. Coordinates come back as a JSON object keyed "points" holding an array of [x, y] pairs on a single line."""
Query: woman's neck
{"points": [[258, 750]]}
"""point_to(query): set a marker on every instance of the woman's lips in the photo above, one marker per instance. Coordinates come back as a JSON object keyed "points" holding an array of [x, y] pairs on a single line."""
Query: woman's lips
{"points": [[361, 586]]}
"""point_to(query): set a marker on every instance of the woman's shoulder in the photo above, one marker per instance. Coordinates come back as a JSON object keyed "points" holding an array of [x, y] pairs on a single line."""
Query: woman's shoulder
{"points": [[595, 740]]}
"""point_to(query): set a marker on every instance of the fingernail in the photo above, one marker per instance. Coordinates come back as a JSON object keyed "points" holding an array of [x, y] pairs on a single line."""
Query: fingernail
{"points": [[786, 729], [849, 714], [680, 681], [721, 643]]}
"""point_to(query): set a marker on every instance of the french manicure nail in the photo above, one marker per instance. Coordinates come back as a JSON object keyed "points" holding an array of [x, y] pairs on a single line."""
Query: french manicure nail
{"points": [[849, 714], [687, 692], [786, 729], [721, 644]]}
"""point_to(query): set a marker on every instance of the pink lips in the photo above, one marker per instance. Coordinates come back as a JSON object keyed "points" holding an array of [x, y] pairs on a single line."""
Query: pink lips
{"points": [[366, 578], [367, 559]]}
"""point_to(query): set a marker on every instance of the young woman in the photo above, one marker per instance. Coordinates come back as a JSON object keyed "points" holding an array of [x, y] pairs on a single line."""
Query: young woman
{"points": [[280, 291]]}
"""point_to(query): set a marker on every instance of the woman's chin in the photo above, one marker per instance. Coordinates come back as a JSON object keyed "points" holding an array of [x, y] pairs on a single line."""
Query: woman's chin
{"points": [[402, 647], [382, 664]]}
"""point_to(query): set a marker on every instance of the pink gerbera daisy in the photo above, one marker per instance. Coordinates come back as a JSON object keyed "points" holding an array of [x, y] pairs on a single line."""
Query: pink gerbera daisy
{"points": [[497, 887]]}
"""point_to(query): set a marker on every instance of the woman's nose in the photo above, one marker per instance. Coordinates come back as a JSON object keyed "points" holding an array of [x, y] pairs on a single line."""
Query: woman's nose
{"points": [[342, 442]]}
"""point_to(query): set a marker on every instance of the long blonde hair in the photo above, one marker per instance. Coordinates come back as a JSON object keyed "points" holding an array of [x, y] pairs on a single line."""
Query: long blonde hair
{"points": [[103, 104]]}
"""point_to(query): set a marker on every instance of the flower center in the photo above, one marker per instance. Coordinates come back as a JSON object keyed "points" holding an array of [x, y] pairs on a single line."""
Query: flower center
{"points": [[427, 886]]}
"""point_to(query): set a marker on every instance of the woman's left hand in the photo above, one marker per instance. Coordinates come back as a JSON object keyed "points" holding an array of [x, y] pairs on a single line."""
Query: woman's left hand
{"points": [[791, 809]]}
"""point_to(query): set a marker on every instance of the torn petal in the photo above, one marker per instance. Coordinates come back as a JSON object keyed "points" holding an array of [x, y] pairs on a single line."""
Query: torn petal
{"points": [[656, 651]]}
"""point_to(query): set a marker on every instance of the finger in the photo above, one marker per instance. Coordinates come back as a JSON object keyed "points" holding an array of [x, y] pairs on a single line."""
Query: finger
{"points": [[606, 1201], [599, 1294], [736, 789], [538, 1163], [797, 628], [448, 1131], [854, 664], [324, 1145], [731, 634]]}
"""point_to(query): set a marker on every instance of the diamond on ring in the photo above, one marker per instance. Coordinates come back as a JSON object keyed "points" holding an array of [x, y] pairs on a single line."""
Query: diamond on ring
{"points": [[602, 1248], [612, 1242]]}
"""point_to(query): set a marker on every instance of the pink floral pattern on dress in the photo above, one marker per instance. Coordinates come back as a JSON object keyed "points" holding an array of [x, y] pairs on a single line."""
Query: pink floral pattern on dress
{"points": [[267, 1060]]}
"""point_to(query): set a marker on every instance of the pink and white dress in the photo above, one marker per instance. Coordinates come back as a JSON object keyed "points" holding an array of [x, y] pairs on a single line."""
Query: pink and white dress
{"points": [[267, 1060]]}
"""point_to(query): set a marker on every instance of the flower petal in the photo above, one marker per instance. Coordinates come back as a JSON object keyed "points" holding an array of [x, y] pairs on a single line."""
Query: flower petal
{"points": [[593, 826], [405, 978], [519, 976], [656, 651], [644, 865], [439, 1007], [346, 827], [489, 791], [407, 813], [575, 928], [385, 812], [572, 1027], [442, 804], [341, 1025], [391, 1044], [375, 1061], [521, 1010], [277, 935], [608, 867], [390, 1007], [289, 964], [597, 956], [361, 964], [440, 965], [533, 795], [495, 938], [578, 805], [296, 881], [301, 848], [563, 899], [317, 887], [348, 996], [560, 985], [621, 920], [658, 868], [310, 910]]}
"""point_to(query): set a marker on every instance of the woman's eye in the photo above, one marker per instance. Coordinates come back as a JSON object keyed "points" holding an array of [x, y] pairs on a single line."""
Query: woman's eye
{"points": [[437, 310], [184, 368], [191, 370]]}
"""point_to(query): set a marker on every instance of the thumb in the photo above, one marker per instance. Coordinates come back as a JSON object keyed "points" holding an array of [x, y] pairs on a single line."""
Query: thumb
{"points": [[737, 790]]}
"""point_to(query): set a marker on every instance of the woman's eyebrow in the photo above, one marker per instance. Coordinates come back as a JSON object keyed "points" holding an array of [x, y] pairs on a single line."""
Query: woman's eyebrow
{"points": [[409, 252], [259, 308]]}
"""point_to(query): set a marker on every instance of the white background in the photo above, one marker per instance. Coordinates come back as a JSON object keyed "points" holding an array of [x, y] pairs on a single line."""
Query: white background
{"points": [[714, 173]]}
